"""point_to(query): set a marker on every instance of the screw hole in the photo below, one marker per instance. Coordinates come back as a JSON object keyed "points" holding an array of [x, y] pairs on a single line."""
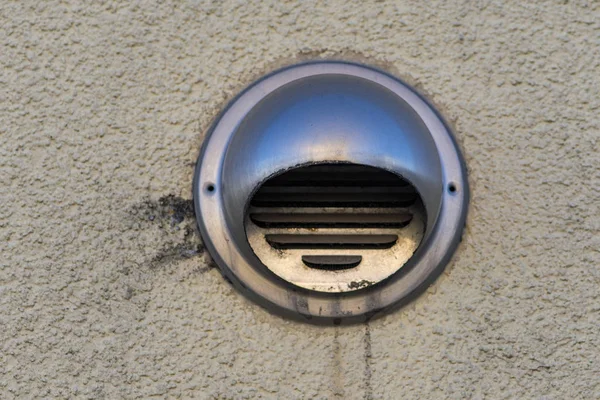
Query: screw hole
{"points": [[452, 187], [210, 188]]}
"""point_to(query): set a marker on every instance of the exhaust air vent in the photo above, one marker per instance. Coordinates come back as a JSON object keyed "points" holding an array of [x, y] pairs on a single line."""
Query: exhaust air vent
{"points": [[330, 190]]}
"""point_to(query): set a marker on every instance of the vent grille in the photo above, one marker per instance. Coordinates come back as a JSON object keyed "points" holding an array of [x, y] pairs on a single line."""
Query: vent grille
{"points": [[319, 220]]}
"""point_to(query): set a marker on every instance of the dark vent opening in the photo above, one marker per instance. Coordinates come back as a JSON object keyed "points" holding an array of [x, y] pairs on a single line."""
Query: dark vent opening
{"points": [[349, 175], [335, 185], [334, 207], [320, 241], [332, 220], [331, 263]]}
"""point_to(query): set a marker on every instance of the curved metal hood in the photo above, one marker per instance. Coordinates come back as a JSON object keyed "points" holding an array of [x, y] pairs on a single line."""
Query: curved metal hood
{"points": [[331, 118]]}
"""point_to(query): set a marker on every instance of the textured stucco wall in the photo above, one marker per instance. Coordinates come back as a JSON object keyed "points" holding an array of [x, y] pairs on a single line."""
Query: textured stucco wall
{"points": [[104, 294]]}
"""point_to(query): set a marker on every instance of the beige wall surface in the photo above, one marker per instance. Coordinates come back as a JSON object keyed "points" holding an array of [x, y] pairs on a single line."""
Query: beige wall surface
{"points": [[105, 291]]}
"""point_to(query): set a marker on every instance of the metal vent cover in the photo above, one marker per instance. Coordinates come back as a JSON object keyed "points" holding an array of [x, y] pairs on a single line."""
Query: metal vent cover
{"points": [[330, 189]]}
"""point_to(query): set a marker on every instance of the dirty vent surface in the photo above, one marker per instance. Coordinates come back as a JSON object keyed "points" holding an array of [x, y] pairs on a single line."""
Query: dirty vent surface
{"points": [[335, 227]]}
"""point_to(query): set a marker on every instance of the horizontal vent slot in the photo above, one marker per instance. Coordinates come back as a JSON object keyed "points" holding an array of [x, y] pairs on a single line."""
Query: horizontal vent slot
{"points": [[331, 220], [331, 262], [293, 241], [344, 190], [283, 199]]}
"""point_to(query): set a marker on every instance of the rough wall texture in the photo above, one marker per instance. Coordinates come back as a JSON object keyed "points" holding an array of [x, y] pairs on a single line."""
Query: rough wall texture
{"points": [[105, 291]]}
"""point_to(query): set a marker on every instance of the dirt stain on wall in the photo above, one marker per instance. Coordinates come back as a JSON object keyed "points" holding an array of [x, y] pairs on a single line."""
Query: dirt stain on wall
{"points": [[172, 213], [368, 354], [338, 369]]}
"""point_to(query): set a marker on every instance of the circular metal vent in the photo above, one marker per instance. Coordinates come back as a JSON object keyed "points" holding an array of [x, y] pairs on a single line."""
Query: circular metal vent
{"points": [[330, 189]]}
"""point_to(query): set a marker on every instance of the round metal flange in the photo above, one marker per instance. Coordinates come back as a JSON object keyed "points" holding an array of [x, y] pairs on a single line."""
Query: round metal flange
{"points": [[328, 112]]}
